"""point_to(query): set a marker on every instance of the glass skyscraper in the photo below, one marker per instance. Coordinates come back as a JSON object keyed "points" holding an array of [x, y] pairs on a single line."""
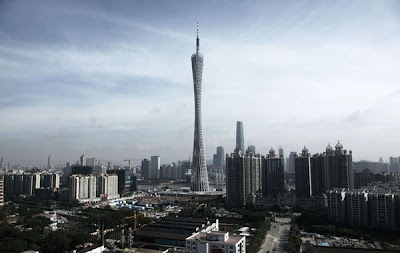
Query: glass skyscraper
{"points": [[239, 136]]}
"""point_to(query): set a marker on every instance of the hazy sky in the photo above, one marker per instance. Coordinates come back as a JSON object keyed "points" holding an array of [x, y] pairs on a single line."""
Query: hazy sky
{"points": [[113, 79]]}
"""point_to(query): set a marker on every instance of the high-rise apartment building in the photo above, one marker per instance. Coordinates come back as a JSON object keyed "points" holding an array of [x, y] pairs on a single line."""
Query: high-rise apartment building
{"points": [[83, 187], [337, 206], [281, 152], [170, 171], [338, 167], [242, 178], [107, 186], [50, 180], [239, 136], [126, 181], [370, 206], [219, 158], [290, 163], [310, 174], [155, 167], [321, 172], [199, 167], [272, 174], [383, 213], [318, 174], [252, 149], [88, 170], [82, 160], [1, 190], [303, 175], [2, 167], [357, 208], [28, 182], [394, 164], [252, 165], [49, 163], [91, 161], [146, 169]]}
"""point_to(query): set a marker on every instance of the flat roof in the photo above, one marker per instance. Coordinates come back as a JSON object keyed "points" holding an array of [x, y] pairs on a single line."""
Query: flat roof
{"points": [[202, 237], [174, 227]]}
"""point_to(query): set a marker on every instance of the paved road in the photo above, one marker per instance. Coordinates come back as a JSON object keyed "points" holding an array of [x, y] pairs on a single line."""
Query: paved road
{"points": [[277, 237]]}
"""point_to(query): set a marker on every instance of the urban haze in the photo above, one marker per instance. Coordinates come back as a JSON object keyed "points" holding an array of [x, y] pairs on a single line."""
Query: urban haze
{"points": [[199, 127], [114, 80]]}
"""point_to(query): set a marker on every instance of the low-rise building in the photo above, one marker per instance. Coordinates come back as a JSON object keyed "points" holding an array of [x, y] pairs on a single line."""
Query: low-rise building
{"points": [[215, 241], [173, 231]]}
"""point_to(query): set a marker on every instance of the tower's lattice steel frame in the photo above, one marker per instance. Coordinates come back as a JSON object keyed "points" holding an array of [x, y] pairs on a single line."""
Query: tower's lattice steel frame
{"points": [[199, 167]]}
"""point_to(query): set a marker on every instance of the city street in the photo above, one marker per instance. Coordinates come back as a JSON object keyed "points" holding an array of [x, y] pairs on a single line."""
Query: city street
{"points": [[277, 237]]}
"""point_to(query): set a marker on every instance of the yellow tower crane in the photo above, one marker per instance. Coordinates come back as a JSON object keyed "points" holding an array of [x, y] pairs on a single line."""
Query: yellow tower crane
{"points": [[134, 220]]}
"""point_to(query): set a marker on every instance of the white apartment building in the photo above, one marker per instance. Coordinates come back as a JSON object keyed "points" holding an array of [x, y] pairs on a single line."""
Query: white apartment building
{"points": [[107, 186], [215, 241], [83, 187]]}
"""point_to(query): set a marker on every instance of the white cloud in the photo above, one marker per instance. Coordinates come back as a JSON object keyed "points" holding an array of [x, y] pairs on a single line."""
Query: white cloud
{"points": [[125, 97]]}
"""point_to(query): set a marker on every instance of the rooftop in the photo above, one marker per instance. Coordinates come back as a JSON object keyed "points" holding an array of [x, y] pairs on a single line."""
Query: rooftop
{"points": [[174, 227], [232, 239]]}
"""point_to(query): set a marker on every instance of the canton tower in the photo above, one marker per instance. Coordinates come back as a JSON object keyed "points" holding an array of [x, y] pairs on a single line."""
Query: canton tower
{"points": [[199, 168]]}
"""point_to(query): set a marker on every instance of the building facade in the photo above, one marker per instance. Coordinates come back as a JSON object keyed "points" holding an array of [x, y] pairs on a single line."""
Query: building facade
{"points": [[127, 181], [272, 174], [303, 177], [50, 180], [337, 206], [281, 153], [367, 207], [239, 136], [219, 158], [252, 149], [318, 174], [107, 186], [382, 209], [155, 167], [146, 169], [83, 187], [338, 165], [242, 178], [21, 183], [216, 241], [1, 190], [357, 208], [290, 164]]}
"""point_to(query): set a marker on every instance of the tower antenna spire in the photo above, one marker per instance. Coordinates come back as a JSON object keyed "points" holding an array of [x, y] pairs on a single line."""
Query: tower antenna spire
{"points": [[197, 39]]}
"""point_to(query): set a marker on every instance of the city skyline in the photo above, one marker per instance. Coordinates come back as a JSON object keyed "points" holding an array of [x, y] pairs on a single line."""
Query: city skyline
{"points": [[104, 87]]}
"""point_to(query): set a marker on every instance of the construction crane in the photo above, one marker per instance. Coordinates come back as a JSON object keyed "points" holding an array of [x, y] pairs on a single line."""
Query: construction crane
{"points": [[129, 161], [134, 220]]}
